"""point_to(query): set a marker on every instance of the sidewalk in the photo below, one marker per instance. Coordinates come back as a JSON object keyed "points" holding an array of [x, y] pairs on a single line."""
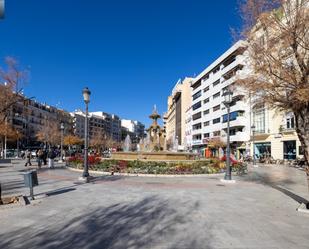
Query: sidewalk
{"points": [[258, 211], [12, 179]]}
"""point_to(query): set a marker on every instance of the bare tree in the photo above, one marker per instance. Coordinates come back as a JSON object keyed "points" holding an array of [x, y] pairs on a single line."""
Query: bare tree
{"points": [[277, 32], [12, 79], [98, 142], [49, 133]]}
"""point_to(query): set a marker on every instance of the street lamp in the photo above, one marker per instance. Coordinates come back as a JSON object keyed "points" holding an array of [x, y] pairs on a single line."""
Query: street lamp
{"points": [[253, 151], [61, 146], [227, 102], [86, 96]]}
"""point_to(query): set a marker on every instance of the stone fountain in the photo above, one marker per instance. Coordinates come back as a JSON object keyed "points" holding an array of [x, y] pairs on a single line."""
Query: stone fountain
{"points": [[152, 147]]}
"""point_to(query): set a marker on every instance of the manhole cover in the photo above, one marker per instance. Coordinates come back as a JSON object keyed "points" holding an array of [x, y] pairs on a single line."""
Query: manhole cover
{"points": [[220, 185]]}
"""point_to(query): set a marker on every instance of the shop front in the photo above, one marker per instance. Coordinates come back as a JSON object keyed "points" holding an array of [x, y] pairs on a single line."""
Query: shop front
{"points": [[289, 150], [262, 150]]}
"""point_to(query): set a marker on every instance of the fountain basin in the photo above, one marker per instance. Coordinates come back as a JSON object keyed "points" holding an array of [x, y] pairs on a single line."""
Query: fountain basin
{"points": [[153, 156]]}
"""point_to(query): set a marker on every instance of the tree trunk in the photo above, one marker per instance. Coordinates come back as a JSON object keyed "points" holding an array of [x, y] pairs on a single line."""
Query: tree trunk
{"points": [[302, 129]]}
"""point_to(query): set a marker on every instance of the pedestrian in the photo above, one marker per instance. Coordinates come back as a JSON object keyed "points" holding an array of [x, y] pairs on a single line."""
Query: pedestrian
{"points": [[28, 158], [22, 155], [51, 156], [40, 158], [44, 157]]}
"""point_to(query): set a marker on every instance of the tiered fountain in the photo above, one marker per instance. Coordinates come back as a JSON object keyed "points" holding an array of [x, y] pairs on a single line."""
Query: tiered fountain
{"points": [[152, 147]]}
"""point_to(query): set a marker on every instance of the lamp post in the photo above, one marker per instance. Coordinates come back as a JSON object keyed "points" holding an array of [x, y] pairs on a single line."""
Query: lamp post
{"points": [[227, 102], [61, 142], [86, 95], [253, 149]]}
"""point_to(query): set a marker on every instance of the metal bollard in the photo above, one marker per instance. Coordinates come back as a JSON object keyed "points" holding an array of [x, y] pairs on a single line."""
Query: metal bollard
{"points": [[31, 180]]}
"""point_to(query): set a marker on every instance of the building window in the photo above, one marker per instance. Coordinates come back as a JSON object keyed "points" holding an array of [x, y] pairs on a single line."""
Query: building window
{"points": [[259, 118], [216, 121], [197, 116], [216, 69], [216, 83], [206, 123], [206, 100], [216, 95], [197, 95], [197, 105], [206, 112], [216, 108], [197, 137], [233, 116], [206, 135], [290, 123], [206, 89], [197, 126], [216, 133], [196, 85], [206, 77]]}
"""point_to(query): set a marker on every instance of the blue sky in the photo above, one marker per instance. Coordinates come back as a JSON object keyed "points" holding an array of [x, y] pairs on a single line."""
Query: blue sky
{"points": [[129, 53]]}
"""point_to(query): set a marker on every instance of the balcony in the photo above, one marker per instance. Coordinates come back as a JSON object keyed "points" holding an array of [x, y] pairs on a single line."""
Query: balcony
{"points": [[239, 60], [239, 136], [240, 106], [238, 122]]}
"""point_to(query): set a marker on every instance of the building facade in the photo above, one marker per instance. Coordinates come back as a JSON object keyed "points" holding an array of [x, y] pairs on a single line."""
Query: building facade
{"points": [[188, 130], [101, 124], [274, 135], [255, 129], [175, 118], [29, 117], [136, 128], [209, 113]]}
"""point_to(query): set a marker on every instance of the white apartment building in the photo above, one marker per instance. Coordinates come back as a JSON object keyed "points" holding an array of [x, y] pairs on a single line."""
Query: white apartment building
{"points": [[134, 126], [209, 114]]}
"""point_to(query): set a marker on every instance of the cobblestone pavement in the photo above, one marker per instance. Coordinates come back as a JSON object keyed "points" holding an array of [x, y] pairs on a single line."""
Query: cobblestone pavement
{"points": [[258, 211]]}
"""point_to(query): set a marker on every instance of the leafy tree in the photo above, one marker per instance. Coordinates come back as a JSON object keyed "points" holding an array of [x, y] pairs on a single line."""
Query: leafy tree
{"points": [[70, 140]]}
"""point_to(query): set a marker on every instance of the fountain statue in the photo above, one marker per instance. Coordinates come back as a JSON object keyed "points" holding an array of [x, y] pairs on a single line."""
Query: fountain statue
{"points": [[152, 146], [127, 144], [155, 132]]}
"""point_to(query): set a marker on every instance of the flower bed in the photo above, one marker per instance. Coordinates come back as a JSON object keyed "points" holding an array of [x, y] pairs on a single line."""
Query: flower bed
{"points": [[210, 166]]}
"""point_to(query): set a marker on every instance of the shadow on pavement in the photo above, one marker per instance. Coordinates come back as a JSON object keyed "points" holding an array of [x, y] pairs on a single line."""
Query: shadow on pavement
{"points": [[107, 178], [60, 191], [268, 180], [149, 223]]}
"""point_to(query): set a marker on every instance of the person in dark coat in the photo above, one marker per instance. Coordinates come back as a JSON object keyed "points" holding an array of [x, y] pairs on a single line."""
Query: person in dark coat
{"points": [[51, 156]]}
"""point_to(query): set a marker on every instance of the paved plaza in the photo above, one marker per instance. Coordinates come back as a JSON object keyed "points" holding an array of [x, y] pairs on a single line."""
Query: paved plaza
{"points": [[259, 211]]}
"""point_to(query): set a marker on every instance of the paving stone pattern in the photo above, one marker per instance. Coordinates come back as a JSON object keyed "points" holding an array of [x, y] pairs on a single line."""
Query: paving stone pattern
{"points": [[259, 211]]}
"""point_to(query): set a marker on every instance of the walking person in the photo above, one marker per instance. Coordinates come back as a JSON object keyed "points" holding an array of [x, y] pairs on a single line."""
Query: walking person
{"points": [[40, 158], [44, 157], [51, 156], [28, 158]]}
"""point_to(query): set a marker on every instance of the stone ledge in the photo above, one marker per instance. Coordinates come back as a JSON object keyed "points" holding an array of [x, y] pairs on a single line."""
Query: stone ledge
{"points": [[144, 175]]}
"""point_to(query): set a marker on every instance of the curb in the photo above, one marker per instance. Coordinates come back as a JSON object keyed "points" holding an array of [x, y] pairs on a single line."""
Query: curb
{"points": [[144, 175]]}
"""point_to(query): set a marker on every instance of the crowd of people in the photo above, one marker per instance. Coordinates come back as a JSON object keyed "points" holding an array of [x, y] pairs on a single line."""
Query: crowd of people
{"points": [[41, 156]]}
